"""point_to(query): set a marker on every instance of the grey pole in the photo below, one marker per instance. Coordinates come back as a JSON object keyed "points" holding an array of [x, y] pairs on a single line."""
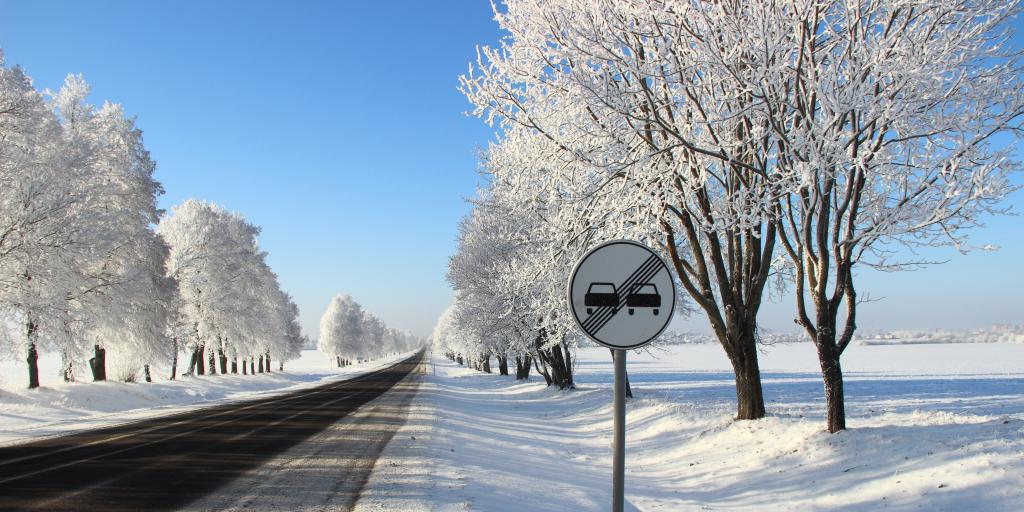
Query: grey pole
{"points": [[619, 423]]}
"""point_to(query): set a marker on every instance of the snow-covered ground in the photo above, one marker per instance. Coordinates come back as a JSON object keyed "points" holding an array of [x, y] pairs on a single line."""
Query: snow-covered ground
{"points": [[58, 408], [932, 427], [994, 334]]}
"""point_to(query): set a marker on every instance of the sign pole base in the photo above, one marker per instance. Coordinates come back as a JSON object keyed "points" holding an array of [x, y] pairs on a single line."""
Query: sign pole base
{"points": [[619, 426]]}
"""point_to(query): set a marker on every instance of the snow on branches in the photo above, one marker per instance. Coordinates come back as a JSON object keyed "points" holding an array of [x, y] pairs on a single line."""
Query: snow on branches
{"points": [[719, 131], [229, 297], [348, 333], [82, 270]]}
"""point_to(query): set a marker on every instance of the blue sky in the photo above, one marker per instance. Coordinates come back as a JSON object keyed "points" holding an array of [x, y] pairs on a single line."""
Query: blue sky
{"points": [[338, 128]]}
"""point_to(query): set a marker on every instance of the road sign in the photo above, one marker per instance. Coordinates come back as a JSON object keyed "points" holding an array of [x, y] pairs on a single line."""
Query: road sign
{"points": [[621, 295]]}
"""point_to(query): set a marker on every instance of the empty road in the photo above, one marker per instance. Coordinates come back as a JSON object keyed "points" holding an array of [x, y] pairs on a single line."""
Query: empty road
{"points": [[309, 449]]}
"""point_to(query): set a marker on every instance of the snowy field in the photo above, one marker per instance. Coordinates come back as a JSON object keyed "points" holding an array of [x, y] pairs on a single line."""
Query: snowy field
{"points": [[932, 427], [57, 407]]}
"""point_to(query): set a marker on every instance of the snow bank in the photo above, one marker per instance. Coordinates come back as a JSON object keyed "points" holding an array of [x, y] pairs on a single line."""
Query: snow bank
{"points": [[58, 408], [932, 427]]}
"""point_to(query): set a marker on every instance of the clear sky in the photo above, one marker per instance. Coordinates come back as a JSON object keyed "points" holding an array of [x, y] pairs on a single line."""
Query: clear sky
{"points": [[338, 128]]}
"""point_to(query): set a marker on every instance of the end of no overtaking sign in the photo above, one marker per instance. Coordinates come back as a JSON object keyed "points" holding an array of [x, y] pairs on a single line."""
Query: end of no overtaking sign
{"points": [[621, 294]]}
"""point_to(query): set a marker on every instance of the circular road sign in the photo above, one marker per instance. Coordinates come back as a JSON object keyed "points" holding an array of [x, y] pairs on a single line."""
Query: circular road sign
{"points": [[622, 295]]}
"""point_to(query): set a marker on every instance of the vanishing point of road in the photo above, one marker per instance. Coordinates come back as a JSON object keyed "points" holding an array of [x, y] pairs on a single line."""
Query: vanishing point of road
{"points": [[313, 448]]}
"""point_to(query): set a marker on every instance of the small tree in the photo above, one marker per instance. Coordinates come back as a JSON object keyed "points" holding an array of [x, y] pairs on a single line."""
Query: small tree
{"points": [[341, 329]]}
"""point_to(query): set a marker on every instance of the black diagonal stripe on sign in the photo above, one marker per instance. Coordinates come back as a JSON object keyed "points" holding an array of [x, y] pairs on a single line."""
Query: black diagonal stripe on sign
{"points": [[622, 301], [604, 321], [606, 312], [594, 323]]}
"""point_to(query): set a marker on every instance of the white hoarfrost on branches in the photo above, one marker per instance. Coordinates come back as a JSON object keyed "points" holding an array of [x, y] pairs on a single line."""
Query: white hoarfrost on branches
{"points": [[230, 299], [348, 334], [80, 267], [82, 271], [718, 132]]}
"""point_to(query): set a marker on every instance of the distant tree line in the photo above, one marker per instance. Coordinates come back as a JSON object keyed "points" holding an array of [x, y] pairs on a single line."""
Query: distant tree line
{"points": [[758, 145], [350, 334], [92, 270]]}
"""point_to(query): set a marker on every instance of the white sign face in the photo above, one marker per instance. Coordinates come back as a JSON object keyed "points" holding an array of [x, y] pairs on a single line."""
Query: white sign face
{"points": [[621, 294]]}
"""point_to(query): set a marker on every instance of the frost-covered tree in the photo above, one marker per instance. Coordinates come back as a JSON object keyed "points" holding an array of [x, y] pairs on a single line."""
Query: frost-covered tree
{"points": [[374, 336], [294, 340], [39, 219], [341, 330], [121, 298], [719, 130], [82, 271], [446, 337], [607, 105], [78, 254], [230, 297], [349, 333], [880, 117], [509, 272]]}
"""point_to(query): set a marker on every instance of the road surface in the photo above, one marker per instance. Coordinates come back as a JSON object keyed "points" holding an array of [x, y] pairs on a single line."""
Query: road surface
{"points": [[309, 449]]}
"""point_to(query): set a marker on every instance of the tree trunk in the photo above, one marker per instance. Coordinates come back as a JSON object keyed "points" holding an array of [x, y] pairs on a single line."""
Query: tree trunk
{"points": [[523, 367], [98, 363], [738, 262], [223, 361], [268, 362], [201, 361], [458, 359], [174, 360], [834, 399], [245, 367], [32, 358], [542, 369], [213, 361], [567, 359], [749, 397], [67, 366], [280, 366], [561, 370], [193, 363], [502, 365], [252, 366], [261, 364], [234, 366], [832, 376], [33, 363], [145, 372], [557, 368]]}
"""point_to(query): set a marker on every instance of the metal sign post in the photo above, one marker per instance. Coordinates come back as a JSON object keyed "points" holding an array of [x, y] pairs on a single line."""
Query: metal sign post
{"points": [[622, 296], [619, 433]]}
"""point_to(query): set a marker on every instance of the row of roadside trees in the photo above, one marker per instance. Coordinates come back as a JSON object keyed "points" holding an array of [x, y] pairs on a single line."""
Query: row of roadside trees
{"points": [[759, 145], [349, 334], [91, 269]]}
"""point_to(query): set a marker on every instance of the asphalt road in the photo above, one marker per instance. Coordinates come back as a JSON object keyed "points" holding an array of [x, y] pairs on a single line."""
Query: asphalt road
{"points": [[218, 458]]}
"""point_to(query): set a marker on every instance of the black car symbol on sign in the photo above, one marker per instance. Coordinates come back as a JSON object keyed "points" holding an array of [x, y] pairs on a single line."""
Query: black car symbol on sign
{"points": [[601, 295], [643, 295]]}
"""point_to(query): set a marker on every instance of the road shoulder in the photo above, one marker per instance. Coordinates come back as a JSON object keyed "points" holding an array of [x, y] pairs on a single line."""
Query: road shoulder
{"points": [[327, 471]]}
